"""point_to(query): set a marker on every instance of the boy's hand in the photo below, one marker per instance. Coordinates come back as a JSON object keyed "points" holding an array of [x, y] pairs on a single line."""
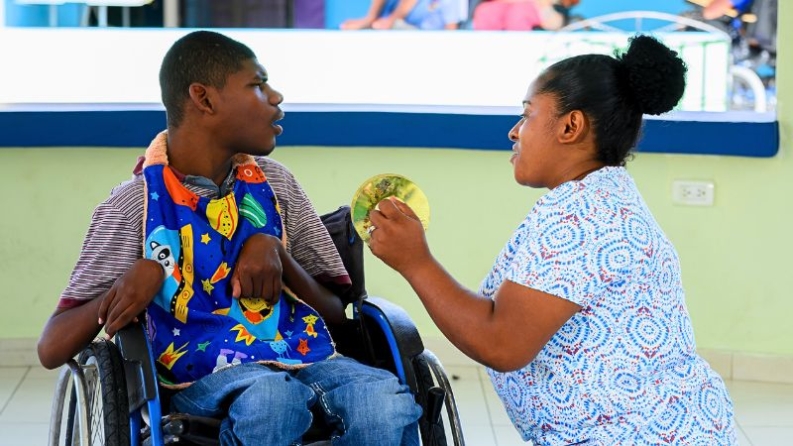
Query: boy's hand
{"points": [[259, 271], [130, 295]]}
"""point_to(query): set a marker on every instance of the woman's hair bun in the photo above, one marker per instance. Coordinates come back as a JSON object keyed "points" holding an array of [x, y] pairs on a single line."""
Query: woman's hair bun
{"points": [[656, 74]]}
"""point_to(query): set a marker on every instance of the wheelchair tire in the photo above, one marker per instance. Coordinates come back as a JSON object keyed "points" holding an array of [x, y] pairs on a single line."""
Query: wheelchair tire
{"points": [[107, 402], [70, 424], [432, 433]]}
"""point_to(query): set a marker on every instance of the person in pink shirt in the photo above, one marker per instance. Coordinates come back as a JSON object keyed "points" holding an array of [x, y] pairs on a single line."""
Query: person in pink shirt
{"points": [[521, 15]]}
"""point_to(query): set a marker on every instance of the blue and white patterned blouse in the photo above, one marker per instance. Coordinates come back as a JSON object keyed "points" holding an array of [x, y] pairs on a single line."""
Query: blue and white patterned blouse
{"points": [[624, 369]]}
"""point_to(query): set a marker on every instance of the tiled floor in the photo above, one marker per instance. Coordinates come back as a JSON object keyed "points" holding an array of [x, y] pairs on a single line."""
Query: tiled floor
{"points": [[764, 411]]}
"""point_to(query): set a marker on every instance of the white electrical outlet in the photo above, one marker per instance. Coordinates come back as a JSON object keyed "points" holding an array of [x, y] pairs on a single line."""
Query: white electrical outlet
{"points": [[693, 193]]}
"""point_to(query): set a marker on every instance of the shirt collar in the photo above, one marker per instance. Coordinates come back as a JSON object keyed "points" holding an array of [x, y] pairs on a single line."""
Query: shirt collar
{"points": [[195, 180]]}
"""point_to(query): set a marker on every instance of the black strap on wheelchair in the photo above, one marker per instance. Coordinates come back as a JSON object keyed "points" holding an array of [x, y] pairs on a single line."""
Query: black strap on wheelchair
{"points": [[350, 247], [367, 341]]}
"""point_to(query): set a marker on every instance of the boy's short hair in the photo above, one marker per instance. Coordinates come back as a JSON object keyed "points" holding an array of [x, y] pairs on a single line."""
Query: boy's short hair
{"points": [[202, 56]]}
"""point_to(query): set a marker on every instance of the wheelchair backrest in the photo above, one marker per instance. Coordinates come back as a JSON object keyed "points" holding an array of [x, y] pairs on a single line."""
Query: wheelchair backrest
{"points": [[350, 247]]}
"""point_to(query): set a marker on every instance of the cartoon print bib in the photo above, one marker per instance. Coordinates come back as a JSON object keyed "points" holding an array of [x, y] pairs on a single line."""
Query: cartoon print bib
{"points": [[195, 326]]}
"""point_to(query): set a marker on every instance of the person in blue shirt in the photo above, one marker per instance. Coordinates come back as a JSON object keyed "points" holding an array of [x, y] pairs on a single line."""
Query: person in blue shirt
{"points": [[411, 14]]}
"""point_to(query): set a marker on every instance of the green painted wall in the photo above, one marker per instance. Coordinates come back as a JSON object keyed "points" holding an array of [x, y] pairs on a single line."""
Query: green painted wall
{"points": [[734, 255]]}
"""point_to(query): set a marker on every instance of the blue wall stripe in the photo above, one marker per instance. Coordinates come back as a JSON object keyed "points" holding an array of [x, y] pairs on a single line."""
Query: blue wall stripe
{"points": [[135, 128]]}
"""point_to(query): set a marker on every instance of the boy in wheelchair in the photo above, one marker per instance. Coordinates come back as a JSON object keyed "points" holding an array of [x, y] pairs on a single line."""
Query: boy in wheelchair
{"points": [[232, 266]]}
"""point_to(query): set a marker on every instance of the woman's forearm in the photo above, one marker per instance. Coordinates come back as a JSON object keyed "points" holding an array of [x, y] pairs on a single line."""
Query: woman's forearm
{"points": [[464, 317]]}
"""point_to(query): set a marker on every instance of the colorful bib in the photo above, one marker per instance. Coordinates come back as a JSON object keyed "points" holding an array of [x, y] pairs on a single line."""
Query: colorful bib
{"points": [[195, 326]]}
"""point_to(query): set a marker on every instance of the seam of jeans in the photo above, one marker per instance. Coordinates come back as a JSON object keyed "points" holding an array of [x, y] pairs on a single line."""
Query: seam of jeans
{"points": [[201, 407], [322, 401], [227, 437]]}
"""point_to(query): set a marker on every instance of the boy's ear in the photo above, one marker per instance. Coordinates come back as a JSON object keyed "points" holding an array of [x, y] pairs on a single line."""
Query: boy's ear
{"points": [[573, 127], [201, 98]]}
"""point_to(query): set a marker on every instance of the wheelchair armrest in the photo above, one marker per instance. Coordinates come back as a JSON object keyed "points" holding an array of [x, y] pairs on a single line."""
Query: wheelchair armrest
{"points": [[400, 334], [405, 332], [140, 374]]}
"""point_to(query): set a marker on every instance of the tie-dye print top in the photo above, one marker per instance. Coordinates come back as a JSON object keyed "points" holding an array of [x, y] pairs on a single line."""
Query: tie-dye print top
{"points": [[194, 324], [624, 369]]}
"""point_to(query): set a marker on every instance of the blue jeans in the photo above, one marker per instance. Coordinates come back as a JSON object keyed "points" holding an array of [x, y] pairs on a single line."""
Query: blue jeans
{"points": [[266, 406]]}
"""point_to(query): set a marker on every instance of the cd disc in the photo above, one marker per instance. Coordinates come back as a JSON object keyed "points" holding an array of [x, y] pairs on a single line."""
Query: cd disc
{"points": [[379, 187]]}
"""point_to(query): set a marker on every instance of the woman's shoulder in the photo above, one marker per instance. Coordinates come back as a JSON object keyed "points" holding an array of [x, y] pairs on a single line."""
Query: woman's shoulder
{"points": [[598, 195]]}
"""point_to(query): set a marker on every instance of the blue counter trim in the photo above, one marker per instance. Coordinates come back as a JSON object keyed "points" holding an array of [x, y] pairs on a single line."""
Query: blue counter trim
{"points": [[135, 126]]}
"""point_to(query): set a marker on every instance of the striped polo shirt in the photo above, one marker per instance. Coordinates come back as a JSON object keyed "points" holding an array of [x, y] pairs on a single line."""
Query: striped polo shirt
{"points": [[115, 236]]}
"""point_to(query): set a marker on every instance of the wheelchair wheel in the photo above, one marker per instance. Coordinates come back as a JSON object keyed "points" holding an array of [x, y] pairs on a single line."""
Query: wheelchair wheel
{"points": [[107, 406], [432, 432], [428, 363]]}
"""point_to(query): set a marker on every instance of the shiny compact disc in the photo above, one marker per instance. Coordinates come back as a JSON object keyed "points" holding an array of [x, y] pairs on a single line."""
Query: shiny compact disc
{"points": [[379, 187]]}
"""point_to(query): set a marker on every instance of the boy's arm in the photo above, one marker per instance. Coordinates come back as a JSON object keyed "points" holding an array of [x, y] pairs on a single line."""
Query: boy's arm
{"points": [[68, 331], [109, 252], [309, 290]]}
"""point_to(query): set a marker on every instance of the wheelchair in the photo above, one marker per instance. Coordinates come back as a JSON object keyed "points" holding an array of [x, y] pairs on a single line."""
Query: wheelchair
{"points": [[109, 393]]}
